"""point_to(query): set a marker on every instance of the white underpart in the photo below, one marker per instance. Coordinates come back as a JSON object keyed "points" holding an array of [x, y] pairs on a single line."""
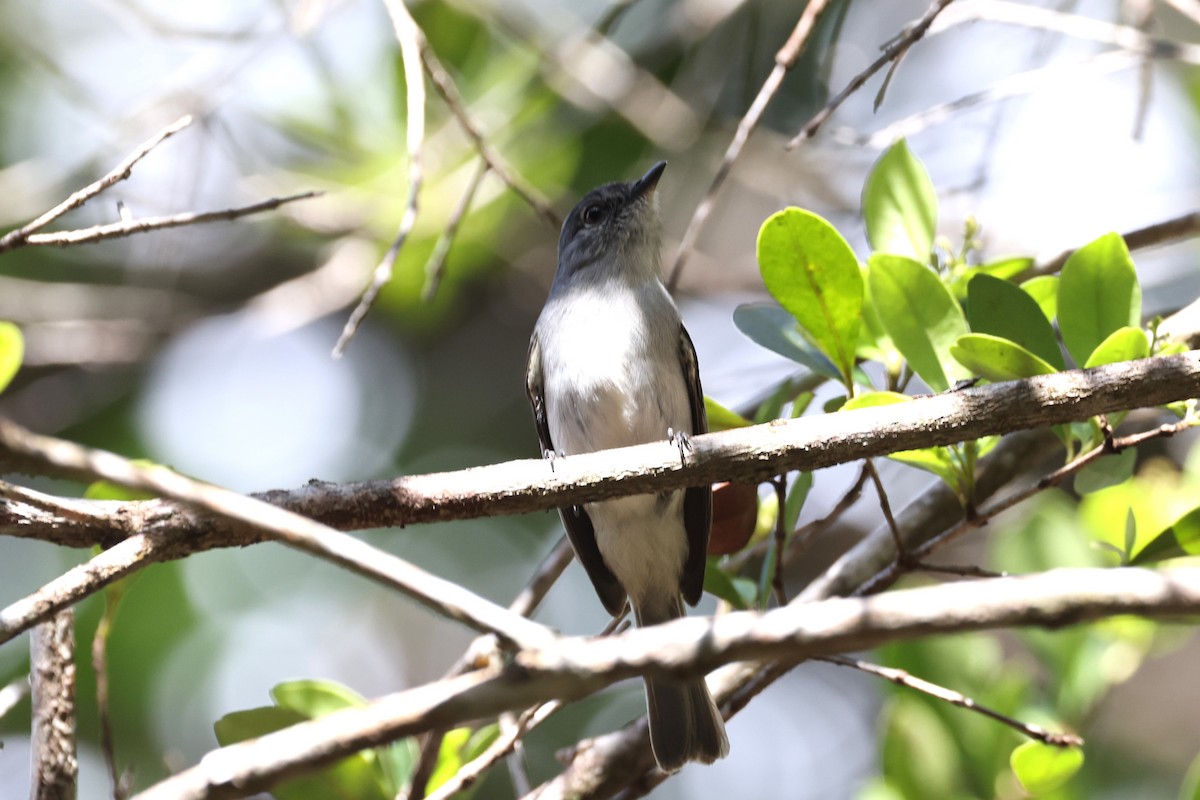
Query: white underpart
{"points": [[606, 386]]}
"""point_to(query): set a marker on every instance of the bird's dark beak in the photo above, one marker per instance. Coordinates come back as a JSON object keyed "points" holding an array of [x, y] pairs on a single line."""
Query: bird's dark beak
{"points": [[645, 185]]}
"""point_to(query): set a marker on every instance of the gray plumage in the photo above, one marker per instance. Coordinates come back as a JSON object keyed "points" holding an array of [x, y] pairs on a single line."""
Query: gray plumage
{"points": [[610, 365]]}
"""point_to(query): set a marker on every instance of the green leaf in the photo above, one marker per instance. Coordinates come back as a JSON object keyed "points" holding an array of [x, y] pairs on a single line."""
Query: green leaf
{"points": [[1106, 472], [874, 400], [315, 698], [1044, 291], [998, 307], [796, 496], [997, 359], [738, 592], [774, 328], [808, 267], [1123, 344], [12, 350], [900, 205], [1098, 293], [352, 778], [721, 418], [1004, 269], [1042, 768], [1181, 539], [921, 316]]}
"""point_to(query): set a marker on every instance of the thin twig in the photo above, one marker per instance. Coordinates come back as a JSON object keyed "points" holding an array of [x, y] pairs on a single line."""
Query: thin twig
{"points": [[118, 230], [120, 778], [409, 36], [886, 508], [785, 59], [1077, 26], [886, 577], [1184, 226], [436, 265], [902, 678], [892, 52], [445, 87], [18, 237]]}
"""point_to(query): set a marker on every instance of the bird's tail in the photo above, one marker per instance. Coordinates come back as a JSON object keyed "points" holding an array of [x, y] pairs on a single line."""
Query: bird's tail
{"points": [[685, 724]]}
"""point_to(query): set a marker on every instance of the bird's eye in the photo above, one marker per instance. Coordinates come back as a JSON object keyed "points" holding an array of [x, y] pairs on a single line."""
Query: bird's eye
{"points": [[593, 214]]}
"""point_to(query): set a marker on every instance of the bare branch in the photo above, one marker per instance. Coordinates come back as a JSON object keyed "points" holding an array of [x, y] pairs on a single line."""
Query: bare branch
{"points": [[18, 237], [785, 59], [12, 694], [440, 595], [436, 265], [118, 230], [55, 767], [410, 38], [571, 667], [517, 487], [1185, 226], [903, 678], [892, 52], [450, 95]]}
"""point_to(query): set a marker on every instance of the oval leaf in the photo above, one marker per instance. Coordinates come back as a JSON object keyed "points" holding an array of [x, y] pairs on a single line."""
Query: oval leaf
{"points": [[1042, 768], [12, 350], [1123, 344], [997, 359], [775, 329], [921, 316], [813, 273], [1098, 293], [900, 205], [998, 307]]}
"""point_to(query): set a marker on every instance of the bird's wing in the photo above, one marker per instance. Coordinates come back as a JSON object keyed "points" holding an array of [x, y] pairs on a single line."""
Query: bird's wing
{"points": [[697, 500], [575, 519]]}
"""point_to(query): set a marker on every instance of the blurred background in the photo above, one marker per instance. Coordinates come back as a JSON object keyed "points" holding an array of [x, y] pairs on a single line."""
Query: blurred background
{"points": [[208, 348]]}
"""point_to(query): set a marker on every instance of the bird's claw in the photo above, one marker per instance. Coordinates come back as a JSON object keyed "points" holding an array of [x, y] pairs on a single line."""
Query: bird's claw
{"points": [[681, 440]]}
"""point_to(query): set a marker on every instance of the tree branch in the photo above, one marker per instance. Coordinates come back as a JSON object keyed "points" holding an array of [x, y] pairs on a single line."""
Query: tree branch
{"points": [[440, 595], [571, 667], [55, 767]]}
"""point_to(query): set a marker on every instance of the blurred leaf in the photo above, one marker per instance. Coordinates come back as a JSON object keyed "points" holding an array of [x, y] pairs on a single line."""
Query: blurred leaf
{"points": [[352, 778], [797, 494], [808, 267], [315, 698], [1107, 471], [999, 308], [738, 592], [772, 407], [919, 754], [398, 760], [1042, 768], [875, 400], [1098, 293], [104, 490], [1181, 539], [1044, 291], [774, 328], [1191, 782], [1123, 344], [721, 418], [238, 726], [921, 316], [997, 359], [12, 350], [459, 747], [900, 205]]}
